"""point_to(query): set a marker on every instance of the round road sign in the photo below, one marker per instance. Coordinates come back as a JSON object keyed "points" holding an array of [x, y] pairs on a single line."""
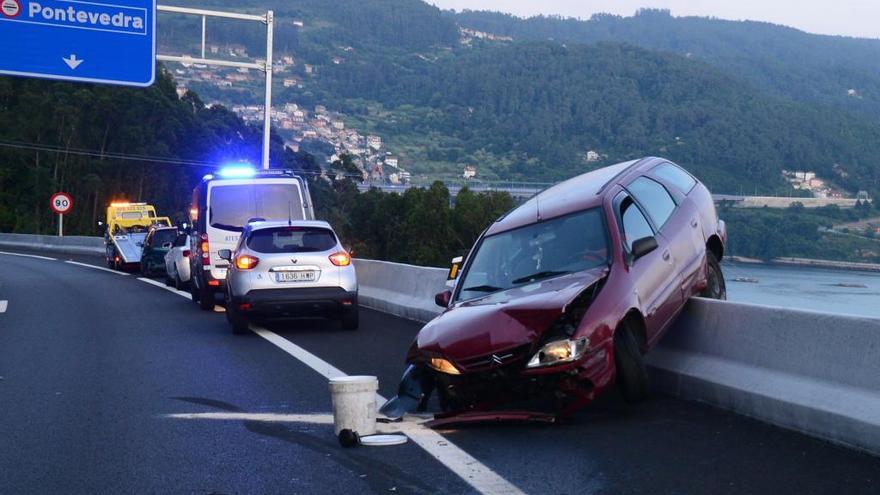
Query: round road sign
{"points": [[61, 203], [10, 8]]}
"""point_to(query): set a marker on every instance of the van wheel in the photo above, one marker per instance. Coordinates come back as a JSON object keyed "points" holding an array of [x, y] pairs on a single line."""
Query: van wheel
{"points": [[715, 286], [350, 318], [178, 284], [631, 374], [194, 292], [206, 299]]}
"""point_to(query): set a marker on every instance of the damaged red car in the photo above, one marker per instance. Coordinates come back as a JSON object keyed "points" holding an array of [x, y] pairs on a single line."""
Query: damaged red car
{"points": [[561, 297]]}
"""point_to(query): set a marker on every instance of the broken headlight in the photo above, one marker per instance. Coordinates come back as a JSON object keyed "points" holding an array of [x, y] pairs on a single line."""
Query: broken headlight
{"points": [[559, 352]]}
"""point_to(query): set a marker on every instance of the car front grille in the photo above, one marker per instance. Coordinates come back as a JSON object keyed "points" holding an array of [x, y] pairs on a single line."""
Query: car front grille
{"points": [[497, 359]]}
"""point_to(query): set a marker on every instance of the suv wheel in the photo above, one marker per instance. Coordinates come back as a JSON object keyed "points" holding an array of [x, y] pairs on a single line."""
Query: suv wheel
{"points": [[350, 317], [237, 321], [715, 286], [630, 372]]}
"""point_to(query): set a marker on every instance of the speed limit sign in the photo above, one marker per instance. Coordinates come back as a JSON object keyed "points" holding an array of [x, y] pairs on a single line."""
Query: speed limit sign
{"points": [[61, 203]]}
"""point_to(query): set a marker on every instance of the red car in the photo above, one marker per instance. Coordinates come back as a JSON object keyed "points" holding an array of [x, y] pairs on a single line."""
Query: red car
{"points": [[562, 296]]}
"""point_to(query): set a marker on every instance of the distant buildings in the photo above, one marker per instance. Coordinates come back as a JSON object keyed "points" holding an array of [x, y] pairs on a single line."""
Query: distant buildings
{"points": [[593, 156], [470, 172]]}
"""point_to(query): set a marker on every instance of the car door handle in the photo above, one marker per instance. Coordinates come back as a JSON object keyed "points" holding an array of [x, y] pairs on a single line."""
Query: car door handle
{"points": [[665, 255], [694, 222]]}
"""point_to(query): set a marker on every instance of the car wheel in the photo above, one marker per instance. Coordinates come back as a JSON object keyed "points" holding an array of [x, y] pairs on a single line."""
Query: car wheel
{"points": [[178, 284], [350, 317], [194, 292], [630, 372], [715, 286], [206, 299], [237, 321]]}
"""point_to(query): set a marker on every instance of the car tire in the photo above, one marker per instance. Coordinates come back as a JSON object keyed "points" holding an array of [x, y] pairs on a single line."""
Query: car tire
{"points": [[178, 284], [715, 286], [630, 372], [350, 318], [194, 292], [206, 299], [144, 269]]}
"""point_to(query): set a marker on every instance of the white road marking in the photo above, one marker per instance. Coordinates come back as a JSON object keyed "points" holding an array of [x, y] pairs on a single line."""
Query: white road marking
{"points": [[28, 256], [77, 263], [472, 471], [317, 419], [3, 306], [163, 286]]}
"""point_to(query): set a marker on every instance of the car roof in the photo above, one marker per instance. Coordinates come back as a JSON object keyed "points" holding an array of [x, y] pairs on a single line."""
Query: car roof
{"points": [[575, 194]]}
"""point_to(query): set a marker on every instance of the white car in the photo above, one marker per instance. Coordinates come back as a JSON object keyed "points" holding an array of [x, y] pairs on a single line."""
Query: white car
{"points": [[289, 269], [177, 263]]}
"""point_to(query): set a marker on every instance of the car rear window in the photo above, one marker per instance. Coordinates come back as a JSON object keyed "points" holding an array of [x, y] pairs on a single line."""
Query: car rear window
{"points": [[679, 179], [291, 240], [162, 236]]}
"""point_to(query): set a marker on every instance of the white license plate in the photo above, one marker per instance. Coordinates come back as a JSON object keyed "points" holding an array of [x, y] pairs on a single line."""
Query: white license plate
{"points": [[298, 276]]}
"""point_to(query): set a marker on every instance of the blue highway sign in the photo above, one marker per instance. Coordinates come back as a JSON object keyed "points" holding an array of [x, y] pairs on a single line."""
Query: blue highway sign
{"points": [[110, 42]]}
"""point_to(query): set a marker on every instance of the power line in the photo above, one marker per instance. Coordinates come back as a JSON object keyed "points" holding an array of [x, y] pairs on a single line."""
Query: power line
{"points": [[111, 155]]}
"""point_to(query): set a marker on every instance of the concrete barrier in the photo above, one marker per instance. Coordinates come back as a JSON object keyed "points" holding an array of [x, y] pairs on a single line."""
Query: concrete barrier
{"points": [[813, 372], [68, 244], [402, 290]]}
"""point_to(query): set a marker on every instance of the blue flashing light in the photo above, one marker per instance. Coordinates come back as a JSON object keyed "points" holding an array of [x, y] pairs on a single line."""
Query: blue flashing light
{"points": [[207, 177], [237, 171]]}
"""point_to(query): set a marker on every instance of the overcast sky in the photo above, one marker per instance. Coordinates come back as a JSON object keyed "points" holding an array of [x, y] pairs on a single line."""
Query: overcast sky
{"points": [[844, 17]]}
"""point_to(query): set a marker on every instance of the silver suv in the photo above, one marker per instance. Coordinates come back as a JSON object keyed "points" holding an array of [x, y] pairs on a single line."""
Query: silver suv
{"points": [[284, 269]]}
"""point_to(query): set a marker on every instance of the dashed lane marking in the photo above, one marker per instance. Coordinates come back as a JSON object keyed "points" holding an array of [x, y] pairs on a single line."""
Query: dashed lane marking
{"points": [[77, 263], [3, 306], [315, 419], [473, 472], [28, 256]]}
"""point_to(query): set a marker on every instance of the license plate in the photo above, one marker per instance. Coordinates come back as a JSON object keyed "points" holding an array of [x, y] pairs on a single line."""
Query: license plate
{"points": [[298, 276]]}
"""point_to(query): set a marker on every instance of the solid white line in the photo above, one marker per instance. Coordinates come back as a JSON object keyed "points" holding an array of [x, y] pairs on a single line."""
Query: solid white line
{"points": [[317, 419], [28, 256], [3, 306], [472, 471], [77, 263], [163, 286]]}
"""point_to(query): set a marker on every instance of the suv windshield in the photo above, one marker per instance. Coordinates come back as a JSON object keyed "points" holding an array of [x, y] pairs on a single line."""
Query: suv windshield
{"points": [[291, 240], [231, 206], [570, 243]]}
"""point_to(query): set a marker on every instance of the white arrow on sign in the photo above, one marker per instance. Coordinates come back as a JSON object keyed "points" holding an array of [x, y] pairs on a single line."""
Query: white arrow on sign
{"points": [[72, 62]]}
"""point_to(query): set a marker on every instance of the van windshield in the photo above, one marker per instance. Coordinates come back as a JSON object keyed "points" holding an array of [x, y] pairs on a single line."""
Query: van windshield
{"points": [[231, 206], [566, 244]]}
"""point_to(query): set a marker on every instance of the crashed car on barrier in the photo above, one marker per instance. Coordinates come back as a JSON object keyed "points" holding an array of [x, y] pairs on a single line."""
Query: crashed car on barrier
{"points": [[562, 296]]}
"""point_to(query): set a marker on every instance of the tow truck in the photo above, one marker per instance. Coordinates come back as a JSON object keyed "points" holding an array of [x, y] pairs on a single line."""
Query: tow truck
{"points": [[127, 226]]}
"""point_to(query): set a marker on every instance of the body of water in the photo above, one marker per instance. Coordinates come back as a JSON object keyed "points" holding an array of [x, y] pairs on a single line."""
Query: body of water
{"points": [[816, 289]]}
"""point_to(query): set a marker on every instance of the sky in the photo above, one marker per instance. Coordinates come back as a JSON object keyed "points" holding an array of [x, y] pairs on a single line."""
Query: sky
{"points": [[859, 18]]}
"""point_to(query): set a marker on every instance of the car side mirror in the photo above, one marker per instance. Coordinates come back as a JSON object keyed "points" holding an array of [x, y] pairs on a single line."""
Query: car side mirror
{"points": [[225, 254], [643, 246], [442, 298]]}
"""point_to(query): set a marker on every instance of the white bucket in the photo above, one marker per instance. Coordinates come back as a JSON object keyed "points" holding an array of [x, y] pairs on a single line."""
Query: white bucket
{"points": [[354, 404]]}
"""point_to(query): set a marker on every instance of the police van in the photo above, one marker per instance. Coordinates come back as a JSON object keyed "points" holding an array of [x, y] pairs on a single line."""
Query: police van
{"points": [[222, 204]]}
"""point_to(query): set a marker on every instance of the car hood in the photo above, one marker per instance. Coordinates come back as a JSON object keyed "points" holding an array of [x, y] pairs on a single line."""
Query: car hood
{"points": [[505, 319]]}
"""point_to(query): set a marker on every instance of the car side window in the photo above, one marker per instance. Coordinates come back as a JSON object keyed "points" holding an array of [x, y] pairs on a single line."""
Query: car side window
{"points": [[652, 196], [635, 225], [674, 175]]}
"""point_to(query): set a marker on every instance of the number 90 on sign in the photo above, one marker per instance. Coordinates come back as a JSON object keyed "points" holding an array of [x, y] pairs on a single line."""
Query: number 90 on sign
{"points": [[61, 203]]}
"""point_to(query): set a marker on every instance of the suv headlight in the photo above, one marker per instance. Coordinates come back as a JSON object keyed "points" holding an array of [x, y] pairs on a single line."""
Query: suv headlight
{"points": [[559, 352]]}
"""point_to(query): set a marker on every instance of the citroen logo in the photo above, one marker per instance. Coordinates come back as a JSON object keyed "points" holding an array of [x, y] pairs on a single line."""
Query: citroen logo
{"points": [[496, 359], [293, 260]]}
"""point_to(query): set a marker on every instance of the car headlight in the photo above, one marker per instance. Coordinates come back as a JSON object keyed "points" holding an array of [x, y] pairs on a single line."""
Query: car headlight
{"points": [[559, 352], [443, 366]]}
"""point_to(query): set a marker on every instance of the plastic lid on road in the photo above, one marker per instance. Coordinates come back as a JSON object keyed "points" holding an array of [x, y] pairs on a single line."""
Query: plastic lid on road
{"points": [[383, 440]]}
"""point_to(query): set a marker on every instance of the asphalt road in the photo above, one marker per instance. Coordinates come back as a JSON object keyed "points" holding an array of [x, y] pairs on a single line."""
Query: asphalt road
{"points": [[96, 370]]}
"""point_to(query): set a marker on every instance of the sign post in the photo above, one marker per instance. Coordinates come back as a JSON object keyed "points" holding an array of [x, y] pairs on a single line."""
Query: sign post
{"points": [[112, 42], [61, 203]]}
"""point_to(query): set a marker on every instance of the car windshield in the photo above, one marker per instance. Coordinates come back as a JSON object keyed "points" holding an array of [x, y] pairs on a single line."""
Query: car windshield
{"points": [[291, 240], [566, 244], [231, 206]]}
